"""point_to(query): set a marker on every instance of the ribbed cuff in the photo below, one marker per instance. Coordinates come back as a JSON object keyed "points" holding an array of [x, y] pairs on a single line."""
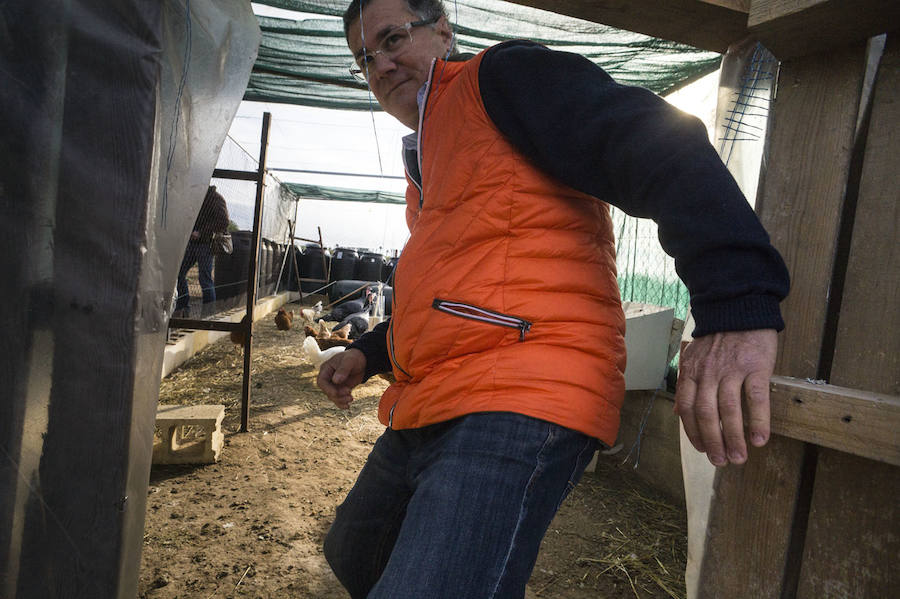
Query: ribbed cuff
{"points": [[739, 314], [373, 345]]}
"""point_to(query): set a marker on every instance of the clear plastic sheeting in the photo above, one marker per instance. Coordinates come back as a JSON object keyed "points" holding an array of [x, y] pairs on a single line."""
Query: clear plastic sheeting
{"points": [[306, 61], [746, 84], [113, 115]]}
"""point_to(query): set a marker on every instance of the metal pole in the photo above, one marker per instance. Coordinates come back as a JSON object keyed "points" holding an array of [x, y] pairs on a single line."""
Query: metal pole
{"points": [[253, 273], [326, 267]]}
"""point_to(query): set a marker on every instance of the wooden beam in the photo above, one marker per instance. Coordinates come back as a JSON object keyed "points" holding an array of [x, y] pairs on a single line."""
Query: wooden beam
{"points": [[792, 28], [858, 422], [705, 24], [224, 173]]}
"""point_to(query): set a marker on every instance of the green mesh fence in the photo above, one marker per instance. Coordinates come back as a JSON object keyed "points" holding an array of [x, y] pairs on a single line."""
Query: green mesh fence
{"points": [[645, 272]]}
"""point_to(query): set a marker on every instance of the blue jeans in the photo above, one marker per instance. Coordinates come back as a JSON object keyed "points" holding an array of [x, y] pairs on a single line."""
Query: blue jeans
{"points": [[202, 254], [455, 510]]}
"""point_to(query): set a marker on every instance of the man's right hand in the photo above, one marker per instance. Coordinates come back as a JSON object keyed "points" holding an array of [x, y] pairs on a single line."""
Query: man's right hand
{"points": [[340, 374]]}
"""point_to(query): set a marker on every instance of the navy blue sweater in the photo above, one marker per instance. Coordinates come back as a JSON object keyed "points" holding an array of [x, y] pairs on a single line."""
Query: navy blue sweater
{"points": [[627, 146]]}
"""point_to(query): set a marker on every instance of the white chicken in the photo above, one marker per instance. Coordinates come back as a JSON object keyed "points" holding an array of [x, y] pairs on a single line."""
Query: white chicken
{"points": [[317, 356], [311, 314]]}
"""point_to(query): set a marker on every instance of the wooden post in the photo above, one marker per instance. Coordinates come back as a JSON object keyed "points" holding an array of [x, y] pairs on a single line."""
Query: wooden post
{"points": [[757, 523], [853, 538]]}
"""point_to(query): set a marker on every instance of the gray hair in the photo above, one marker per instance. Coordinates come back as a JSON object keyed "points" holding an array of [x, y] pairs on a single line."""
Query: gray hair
{"points": [[424, 9]]}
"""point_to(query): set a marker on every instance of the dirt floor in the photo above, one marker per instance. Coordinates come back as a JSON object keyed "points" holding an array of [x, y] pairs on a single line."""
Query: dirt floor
{"points": [[252, 524]]}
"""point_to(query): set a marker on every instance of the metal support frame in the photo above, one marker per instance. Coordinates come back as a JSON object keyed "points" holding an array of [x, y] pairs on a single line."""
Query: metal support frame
{"points": [[245, 326]]}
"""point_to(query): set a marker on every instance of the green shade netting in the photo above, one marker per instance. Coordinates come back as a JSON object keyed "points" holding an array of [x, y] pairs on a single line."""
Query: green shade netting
{"points": [[319, 192], [305, 62]]}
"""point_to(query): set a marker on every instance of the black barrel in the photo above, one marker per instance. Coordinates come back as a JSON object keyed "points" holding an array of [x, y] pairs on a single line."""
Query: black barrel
{"points": [[270, 260], [292, 262], [265, 266], [232, 269], [277, 259], [369, 267], [343, 264], [388, 269], [312, 267]]}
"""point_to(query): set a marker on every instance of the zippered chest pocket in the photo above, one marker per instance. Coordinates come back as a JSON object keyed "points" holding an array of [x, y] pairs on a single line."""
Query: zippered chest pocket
{"points": [[484, 315]]}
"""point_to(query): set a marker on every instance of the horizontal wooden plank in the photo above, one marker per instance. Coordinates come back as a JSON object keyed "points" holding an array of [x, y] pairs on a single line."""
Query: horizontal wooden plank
{"points": [[857, 422], [792, 28], [225, 173], [706, 24], [205, 325]]}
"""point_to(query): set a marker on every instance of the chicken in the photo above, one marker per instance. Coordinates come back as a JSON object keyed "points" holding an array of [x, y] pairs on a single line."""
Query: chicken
{"points": [[284, 319], [309, 331], [358, 324], [315, 355], [323, 332], [310, 315], [342, 332], [237, 336]]}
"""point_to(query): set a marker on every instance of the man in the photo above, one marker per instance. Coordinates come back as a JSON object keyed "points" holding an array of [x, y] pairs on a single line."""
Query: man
{"points": [[506, 336], [212, 219]]}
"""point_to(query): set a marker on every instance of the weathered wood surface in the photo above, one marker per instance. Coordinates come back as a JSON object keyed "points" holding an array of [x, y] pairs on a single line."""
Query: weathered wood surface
{"points": [[854, 527], [749, 552], [867, 355], [802, 190], [854, 538], [790, 28], [750, 523], [706, 24], [859, 422]]}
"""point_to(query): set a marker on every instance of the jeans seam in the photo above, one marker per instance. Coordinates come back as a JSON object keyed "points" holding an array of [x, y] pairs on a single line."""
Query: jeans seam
{"points": [[526, 494], [569, 484]]}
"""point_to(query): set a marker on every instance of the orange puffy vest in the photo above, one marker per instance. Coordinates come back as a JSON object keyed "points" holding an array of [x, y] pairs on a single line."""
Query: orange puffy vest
{"points": [[505, 296]]}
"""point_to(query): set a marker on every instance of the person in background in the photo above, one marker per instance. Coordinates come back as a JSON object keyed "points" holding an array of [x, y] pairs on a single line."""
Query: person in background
{"points": [[212, 219], [507, 332]]}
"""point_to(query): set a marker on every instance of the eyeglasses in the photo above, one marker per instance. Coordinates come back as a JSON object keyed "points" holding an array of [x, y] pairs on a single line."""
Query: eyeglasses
{"points": [[395, 42]]}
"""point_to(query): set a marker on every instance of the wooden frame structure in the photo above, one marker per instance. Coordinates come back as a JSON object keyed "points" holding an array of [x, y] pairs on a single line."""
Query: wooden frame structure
{"points": [[814, 513]]}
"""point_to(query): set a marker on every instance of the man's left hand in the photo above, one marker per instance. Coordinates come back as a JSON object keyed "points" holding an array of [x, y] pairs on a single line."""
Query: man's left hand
{"points": [[712, 372]]}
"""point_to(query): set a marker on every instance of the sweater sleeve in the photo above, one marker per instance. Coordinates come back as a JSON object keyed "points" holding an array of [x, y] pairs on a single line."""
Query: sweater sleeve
{"points": [[373, 345], [627, 146]]}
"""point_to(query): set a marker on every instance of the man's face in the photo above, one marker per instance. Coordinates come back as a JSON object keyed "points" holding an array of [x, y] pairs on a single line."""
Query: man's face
{"points": [[395, 80]]}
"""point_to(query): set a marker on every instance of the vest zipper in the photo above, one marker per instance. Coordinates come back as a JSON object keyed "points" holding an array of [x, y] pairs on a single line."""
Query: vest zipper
{"points": [[483, 315], [421, 130], [413, 179], [420, 185]]}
